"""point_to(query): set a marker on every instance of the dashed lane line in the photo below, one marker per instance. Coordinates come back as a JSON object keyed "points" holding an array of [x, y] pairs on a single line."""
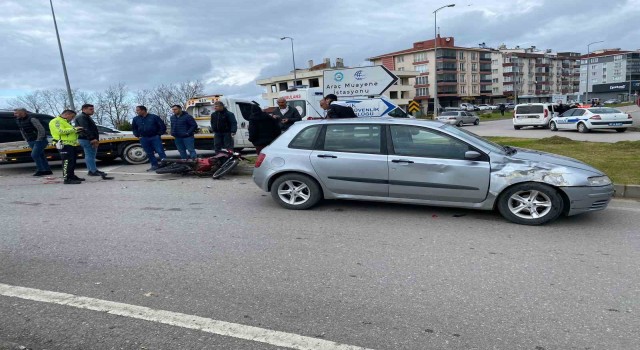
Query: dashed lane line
{"points": [[223, 328]]}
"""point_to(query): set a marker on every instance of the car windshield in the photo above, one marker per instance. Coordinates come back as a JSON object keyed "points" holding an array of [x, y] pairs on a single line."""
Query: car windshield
{"points": [[445, 114], [529, 109], [473, 138], [602, 110]]}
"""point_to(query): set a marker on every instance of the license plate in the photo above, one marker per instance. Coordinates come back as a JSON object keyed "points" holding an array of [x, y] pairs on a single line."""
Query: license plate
{"points": [[533, 117], [615, 124]]}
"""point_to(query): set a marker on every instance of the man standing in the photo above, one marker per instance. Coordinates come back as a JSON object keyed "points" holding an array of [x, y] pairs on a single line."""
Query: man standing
{"points": [[89, 139], [502, 108], [149, 128], [286, 114], [34, 133], [335, 111], [224, 126], [183, 127], [67, 136], [263, 128]]}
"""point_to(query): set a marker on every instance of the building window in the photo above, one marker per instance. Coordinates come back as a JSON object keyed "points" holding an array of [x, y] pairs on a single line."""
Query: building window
{"points": [[474, 67], [274, 88], [283, 86], [462, 78], [422, 80], [474, 56], [474, 78], [419, 57], [462, 65], [461, 55], [399, 59], [474, 88], [422, 92], [422, 68], [393, 95], [463, 89], [400, 69], [314, 82]]}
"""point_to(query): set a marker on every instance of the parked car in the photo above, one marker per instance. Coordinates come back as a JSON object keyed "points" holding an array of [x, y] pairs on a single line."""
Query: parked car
{"points": [[9, 131], [485, 107], [424, 162], [611, 101], [469, 107], [585, 119], [459, 118], [510, 106], [533, 114]]}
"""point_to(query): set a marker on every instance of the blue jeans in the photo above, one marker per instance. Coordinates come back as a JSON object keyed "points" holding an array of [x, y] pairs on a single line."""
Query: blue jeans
{"points": [[186, 143], [153, 144], [89, 155], [37, 153]]}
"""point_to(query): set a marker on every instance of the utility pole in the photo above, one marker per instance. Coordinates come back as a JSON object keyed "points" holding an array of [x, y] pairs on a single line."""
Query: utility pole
{"points": [[435, 52], [293, 56], [589, 66], [64, 66]]}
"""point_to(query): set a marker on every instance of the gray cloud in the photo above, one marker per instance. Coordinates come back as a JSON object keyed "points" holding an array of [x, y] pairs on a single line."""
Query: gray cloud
{"points": [[229, 45]]}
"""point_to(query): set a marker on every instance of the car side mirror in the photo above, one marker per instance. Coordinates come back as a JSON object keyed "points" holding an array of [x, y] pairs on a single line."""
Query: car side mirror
{"points": [[472, 155]]}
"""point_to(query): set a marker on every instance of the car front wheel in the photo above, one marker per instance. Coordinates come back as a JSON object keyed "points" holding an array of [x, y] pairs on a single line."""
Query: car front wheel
{"points": [[621, 130], [530, 204], [296, 191], [476, 122]]}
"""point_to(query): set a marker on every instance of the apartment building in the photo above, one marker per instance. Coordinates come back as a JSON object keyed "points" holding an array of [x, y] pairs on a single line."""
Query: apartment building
{"points": [[613, 73], [312, 76], [463, 74]]}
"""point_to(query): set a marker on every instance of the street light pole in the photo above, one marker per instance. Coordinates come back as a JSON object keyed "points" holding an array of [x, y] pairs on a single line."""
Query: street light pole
{"points": [[64, 66], [293, 56], [589, 66], [435, 52]]}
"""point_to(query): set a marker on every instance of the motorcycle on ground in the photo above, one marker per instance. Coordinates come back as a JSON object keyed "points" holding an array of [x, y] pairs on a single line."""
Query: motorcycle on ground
{"points": [[217, 166]]}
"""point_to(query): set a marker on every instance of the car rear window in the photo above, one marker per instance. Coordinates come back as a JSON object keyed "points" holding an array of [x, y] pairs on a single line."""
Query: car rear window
{"points": [[604, 110], [445, 114], [306, 138], [537, 109]]}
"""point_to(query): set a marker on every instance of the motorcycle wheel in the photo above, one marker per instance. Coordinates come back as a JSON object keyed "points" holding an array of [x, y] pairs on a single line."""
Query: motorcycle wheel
{"points": [[229, 165]]}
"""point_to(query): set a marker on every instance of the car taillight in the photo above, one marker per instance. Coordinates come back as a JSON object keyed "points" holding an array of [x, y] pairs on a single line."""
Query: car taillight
{"points": [[260, 159], [546, 113], [596, 117], [514, 113], [452, 118]]}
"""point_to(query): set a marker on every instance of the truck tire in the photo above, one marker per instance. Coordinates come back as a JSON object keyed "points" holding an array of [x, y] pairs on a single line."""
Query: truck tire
{"points": [[134, 154]]}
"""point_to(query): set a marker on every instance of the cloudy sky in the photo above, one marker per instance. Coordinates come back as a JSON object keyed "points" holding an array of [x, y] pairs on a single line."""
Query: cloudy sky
{"points": [[230, 44]]}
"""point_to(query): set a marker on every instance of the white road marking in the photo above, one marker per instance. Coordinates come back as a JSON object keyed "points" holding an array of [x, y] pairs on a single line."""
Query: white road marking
{"points": [[235, 330]]}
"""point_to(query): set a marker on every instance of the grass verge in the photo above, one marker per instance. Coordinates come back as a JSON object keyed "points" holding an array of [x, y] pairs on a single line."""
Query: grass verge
{"points": [[620, 160], [495, 115]]}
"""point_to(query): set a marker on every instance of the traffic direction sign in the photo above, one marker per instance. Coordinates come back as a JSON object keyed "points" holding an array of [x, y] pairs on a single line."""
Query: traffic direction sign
{"points": [[359, 81], [413, 106]]}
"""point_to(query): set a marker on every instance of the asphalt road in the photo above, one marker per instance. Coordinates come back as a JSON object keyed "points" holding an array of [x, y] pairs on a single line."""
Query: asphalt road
{"points": [[369, 275]]}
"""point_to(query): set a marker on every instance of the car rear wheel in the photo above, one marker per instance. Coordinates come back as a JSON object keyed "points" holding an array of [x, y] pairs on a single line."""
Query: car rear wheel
{"points": [[530, 204], [517, 127], [476, 122], [296, 191], [621, 130], [460, 123], [582, 127], [553, 126]]}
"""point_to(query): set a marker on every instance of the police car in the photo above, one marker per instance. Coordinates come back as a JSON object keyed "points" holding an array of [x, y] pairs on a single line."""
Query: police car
{"points": [[587, 119]]}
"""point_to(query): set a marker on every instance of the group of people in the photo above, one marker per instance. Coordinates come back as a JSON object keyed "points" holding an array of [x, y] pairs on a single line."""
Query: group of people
{"points": [[73, 133], [68, 138]]}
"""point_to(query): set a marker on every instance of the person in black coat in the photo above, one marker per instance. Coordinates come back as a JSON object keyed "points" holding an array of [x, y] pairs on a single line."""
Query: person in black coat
{"points": [[286, 114], [335, 111], [263, 128]]}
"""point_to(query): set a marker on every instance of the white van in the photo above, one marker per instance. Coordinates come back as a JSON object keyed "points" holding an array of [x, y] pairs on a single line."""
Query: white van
{"points": [[307, 101], [533, 114], [201, 108]]}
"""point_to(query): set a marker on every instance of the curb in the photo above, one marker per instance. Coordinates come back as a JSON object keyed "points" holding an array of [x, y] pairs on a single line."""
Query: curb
{"points": [[621, 191], [627, 191]]}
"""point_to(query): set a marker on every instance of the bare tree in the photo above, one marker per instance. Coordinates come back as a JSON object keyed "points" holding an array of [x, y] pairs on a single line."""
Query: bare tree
{"points": [[114, 105], [32, 101]]}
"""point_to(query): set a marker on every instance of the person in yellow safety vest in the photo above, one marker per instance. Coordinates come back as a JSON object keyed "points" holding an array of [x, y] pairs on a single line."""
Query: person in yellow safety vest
{"points": [[62, 131]]}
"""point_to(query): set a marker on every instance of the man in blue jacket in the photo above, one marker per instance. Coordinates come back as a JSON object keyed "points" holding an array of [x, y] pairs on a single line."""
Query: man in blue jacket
{"points": [[148, 128], [183, 126]]}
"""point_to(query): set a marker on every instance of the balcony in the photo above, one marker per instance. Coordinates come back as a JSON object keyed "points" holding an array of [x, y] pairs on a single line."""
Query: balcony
{"points": [[447, 82], [486, 92], [485, 57]]}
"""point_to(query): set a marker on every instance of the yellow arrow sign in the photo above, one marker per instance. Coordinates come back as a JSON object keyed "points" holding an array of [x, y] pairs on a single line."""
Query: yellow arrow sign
{"points": [[414, 106]]}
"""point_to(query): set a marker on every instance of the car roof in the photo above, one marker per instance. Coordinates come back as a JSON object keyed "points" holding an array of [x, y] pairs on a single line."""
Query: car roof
{"points": [[377, 120]]}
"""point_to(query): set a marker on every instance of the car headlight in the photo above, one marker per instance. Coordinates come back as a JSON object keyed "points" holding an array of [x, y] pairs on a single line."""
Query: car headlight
{"points": [[599, 181]]}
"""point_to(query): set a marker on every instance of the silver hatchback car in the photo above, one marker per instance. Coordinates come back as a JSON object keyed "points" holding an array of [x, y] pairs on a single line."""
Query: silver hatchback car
{"points": [[424, 162]]}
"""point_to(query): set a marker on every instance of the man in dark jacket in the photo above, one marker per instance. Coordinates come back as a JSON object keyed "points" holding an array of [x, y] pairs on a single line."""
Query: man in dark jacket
{"points": [[89, 139], [502, 108], [183, 127], [224, 127], [286, 115], [149, 127], [263, 128], [34, 133], [335, 111]]}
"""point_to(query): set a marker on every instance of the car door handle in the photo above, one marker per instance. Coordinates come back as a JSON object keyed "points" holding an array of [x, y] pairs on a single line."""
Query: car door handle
{"points": [[402, 161], [326, 156]]}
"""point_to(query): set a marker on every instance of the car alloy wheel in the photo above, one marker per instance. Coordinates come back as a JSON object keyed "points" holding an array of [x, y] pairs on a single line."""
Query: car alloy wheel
{"points": [[530, 204], [553, 126], [294, 192], [582, 128]]}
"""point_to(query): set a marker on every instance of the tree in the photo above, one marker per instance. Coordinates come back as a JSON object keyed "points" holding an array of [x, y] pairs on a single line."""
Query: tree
{"points": [[114, 105]]}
